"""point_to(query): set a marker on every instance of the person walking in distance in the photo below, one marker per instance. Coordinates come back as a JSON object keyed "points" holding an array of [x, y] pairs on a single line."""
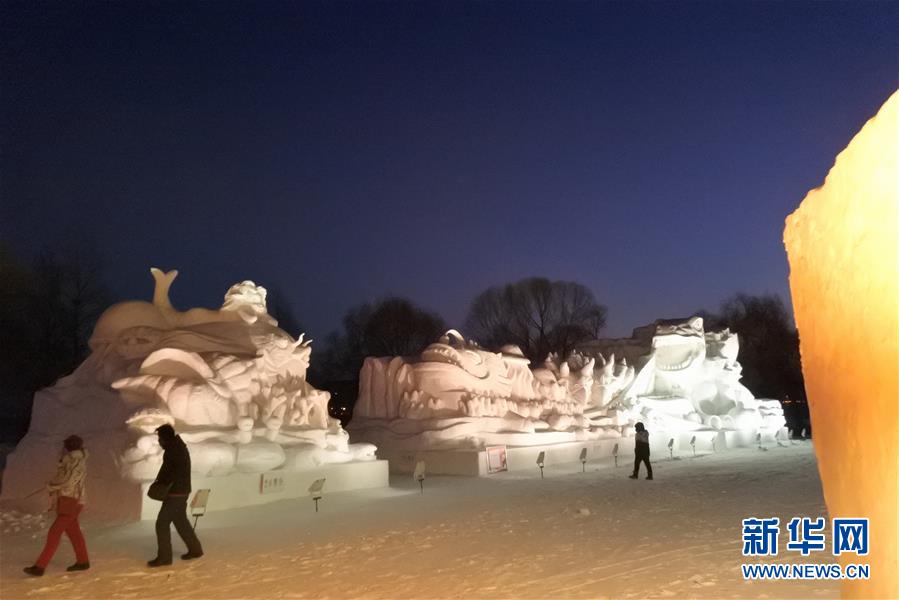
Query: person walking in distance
{"points": [[175, 473], [641, 451], [67, 493]]}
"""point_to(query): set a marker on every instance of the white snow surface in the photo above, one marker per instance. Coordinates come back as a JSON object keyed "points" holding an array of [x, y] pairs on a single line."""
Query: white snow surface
{"points": [[572, 535]]}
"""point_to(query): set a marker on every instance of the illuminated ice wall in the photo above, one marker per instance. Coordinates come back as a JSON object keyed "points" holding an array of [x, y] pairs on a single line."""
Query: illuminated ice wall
{"points": [[843, 248]]}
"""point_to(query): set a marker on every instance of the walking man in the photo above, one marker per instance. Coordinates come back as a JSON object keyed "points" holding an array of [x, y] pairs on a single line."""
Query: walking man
{"points": [[641, 451], [174, 472]]}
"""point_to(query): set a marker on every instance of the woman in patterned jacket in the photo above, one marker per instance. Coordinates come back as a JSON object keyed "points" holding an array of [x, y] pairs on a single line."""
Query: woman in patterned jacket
{"points": [[68, 490]]}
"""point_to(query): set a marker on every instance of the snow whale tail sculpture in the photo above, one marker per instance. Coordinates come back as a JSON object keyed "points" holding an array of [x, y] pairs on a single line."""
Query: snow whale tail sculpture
{"points": [[161, 290], [231, 382], [131, 323]]}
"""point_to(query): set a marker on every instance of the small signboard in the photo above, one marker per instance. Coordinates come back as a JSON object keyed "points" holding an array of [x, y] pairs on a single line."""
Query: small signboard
{"points": [[198, 504], [270, 483], [496, 459], [419, 473], [315, 490]]}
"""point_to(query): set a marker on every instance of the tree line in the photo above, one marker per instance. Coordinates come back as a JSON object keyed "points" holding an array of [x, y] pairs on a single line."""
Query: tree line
{"points": [[48, 309], [50, 305]]}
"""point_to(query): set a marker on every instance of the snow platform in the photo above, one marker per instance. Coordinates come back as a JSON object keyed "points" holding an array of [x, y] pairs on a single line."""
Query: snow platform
{"points": [[473, 462], [248, 489]]}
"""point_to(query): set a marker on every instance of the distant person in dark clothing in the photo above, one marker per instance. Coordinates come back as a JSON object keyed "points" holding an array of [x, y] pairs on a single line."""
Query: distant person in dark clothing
{"points": [[175, 470], [641, 451]]}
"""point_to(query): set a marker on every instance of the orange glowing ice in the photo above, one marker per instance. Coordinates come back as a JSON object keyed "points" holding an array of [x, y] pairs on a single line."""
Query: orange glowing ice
{"points": [[843, 248]]}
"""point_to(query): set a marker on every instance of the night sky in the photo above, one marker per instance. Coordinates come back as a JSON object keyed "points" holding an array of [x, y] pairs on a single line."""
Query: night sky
{"points": [[341, 152]]}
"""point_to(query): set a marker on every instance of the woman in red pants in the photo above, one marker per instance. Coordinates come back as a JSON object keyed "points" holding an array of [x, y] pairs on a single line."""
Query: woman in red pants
{"points": [[68, 487]]}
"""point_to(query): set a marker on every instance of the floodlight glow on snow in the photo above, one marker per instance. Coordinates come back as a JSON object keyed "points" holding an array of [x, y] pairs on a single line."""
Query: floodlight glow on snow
{"points": [[843, 248]]}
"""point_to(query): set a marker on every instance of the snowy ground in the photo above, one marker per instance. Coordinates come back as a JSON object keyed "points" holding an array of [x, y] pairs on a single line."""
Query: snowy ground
{"points": [[572, 535]]}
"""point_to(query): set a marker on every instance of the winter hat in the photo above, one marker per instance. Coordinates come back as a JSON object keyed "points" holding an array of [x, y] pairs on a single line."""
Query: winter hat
{"points": [[639, 427], [165, 432], [72, 443]]}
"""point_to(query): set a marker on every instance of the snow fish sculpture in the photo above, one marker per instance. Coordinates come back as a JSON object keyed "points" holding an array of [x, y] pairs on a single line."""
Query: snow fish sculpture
{"points": [[231, 382]]}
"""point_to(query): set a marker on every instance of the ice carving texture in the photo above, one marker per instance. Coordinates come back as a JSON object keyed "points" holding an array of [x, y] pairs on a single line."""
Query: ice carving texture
{"points": [[843, 248]]}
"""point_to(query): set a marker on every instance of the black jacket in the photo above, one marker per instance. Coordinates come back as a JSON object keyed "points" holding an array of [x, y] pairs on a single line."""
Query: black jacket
{"points": [[175, 467], [641, 444]]}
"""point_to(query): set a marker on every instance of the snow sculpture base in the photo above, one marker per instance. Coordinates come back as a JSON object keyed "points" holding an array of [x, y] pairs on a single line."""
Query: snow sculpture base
{"points": [[473, 461], [243, 489]]}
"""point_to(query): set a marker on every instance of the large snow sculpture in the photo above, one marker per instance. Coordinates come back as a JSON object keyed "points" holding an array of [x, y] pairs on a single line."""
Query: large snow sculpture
{"points": [[458, 395], [233, 384], [844, 279], [689, 380]]}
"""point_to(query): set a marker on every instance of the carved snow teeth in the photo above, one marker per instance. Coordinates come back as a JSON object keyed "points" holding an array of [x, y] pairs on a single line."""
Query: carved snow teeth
{"points": [[678, 367]]}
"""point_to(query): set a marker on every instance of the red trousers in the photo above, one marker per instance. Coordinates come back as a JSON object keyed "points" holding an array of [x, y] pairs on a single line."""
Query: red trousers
{"points": [[66, 521]]}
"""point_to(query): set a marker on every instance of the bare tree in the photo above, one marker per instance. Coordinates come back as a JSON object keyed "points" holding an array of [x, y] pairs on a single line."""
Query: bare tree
{"points": [[538, 315], [390, 327], [68, 296], [47, 313], [769, 344]]}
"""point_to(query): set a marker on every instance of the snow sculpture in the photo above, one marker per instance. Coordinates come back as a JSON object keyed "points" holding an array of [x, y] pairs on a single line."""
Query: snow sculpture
{"points": [[844, 280], [457, 394], [233, 384], [689, 380]]}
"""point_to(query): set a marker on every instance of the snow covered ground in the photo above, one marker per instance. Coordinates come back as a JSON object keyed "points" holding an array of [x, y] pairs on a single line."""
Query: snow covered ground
{"points": [[513, 535]]}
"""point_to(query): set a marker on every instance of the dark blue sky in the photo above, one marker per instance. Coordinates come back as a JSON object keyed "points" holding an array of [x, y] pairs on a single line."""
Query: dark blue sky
{"points": [[341, 152]]}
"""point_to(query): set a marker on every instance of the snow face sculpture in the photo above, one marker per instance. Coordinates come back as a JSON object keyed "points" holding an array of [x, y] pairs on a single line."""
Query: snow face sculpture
{"points": [[690, 380], [231, 382], [458, 394]]}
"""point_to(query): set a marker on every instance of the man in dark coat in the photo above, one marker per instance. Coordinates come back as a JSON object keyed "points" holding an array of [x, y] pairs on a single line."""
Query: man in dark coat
{"points": [[641, 451], [175, 470]]}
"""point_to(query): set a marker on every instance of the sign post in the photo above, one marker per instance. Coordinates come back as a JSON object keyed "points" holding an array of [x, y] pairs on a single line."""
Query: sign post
{"points": [[419, 475], [496, 459], [315, 490], [779, 437], [198, 505]]}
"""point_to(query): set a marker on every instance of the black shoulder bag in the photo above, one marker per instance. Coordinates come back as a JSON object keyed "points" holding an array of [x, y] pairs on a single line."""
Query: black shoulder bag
{"points": [[159, 490]]}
